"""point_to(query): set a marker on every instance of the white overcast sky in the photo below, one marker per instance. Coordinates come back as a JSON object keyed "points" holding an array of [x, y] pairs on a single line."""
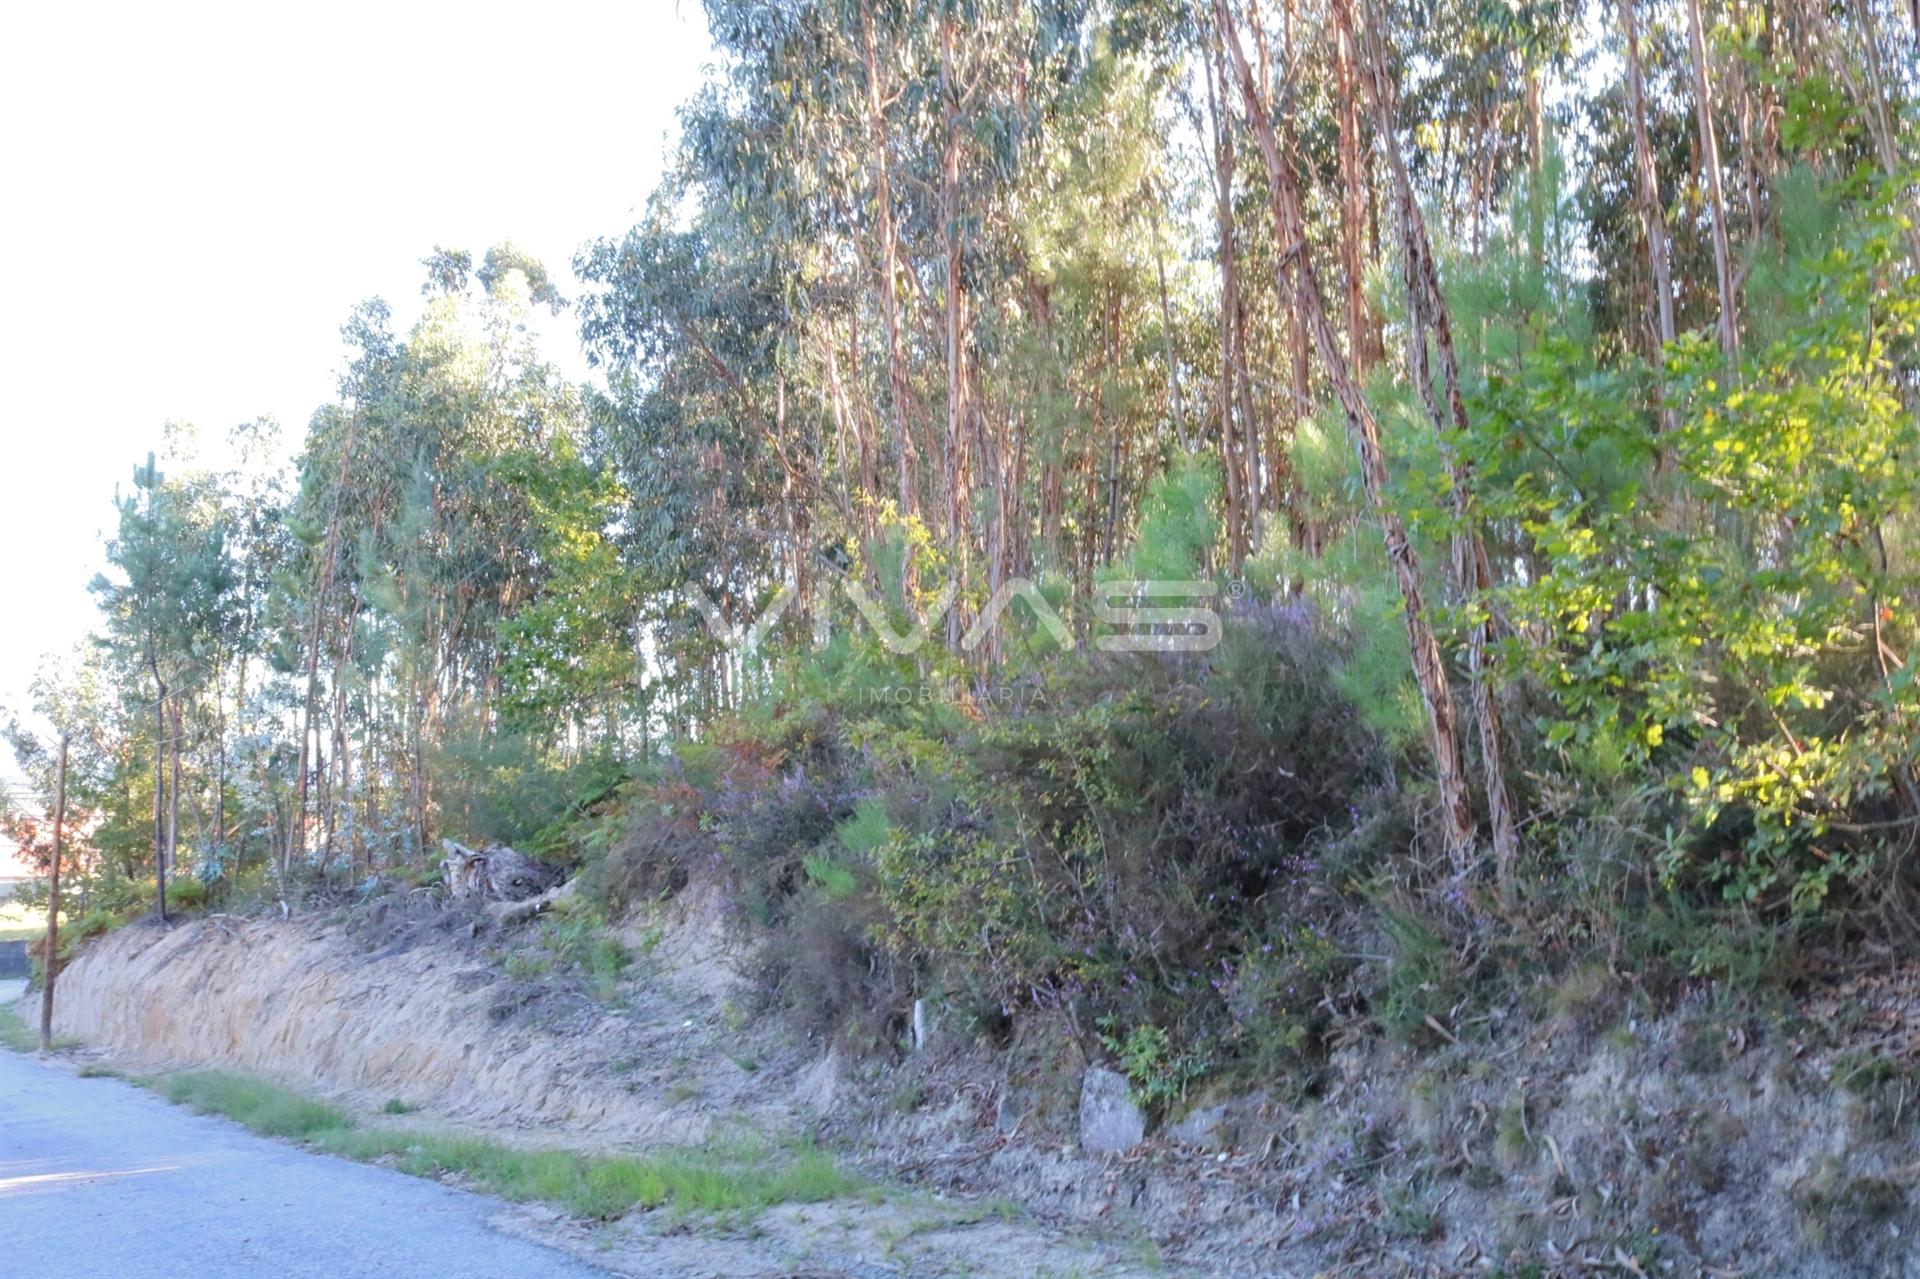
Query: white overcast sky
{"points": [[193, 195]]}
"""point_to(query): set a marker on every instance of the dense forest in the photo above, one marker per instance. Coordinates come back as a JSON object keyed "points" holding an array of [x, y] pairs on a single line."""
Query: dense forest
{"points": [[1502, 417]]}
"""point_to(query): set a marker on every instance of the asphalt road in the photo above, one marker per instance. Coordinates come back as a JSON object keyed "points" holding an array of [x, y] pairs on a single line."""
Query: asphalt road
{"points": [[100, 1180]]}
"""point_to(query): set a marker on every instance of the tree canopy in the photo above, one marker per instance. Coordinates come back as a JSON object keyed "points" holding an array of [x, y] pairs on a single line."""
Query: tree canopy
{"points": [[1558, 360]]}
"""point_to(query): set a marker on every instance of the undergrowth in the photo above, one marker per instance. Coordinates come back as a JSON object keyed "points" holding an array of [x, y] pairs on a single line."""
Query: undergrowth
{"points": [[1169, 845]]}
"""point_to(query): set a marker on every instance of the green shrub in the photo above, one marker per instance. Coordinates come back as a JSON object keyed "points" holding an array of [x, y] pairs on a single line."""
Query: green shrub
{"points": [[1128, 830], [1160, 1071], [495, 784], [581, 941], [1278, 995], [1423, 983], [1709, 607], [188, 893]]}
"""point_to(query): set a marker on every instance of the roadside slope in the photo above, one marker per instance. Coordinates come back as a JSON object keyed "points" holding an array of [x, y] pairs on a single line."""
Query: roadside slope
{"points": [[417, 1019], [427, 1014], [1706, 1140]]}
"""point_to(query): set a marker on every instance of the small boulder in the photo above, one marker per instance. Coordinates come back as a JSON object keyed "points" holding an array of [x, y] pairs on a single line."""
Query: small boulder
{"points": [[1111, 1121], [1208, 1127]]}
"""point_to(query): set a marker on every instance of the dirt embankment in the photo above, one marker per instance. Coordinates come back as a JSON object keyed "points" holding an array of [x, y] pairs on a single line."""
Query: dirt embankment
{"points": [[424, 1006], [418, 1018], [1701, 1142]]}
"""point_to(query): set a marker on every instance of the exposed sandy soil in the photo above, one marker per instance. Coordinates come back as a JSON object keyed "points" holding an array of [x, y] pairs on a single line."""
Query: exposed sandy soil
{"points": [[421, 1018], [415, 1006], [1698, 1143]]}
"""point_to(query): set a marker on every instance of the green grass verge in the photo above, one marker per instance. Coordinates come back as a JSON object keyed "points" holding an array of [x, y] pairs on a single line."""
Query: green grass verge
{"points": [[734, 1178], [23, 1035], [265, 1108], [16, 1034]]}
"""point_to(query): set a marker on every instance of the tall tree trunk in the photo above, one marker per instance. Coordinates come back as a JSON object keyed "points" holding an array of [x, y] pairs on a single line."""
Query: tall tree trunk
{"points": [[159, 786], [220, 762], [1116, 441], [1299, 364], [1869, 98], [52, 961], [1250, 432], [1429, 667], [1353, 211], [1223, 166], [1167, 351], [1751, 116], [866, 426], [296, 826], [1729, 326], [844, 425], [330, 549], [1019, 551], [426, 715], [1652, 209], [173, 788], [889, 265], [956, 498], [1880, 120], [1098, 540], [1428, 314], [343, 798]]}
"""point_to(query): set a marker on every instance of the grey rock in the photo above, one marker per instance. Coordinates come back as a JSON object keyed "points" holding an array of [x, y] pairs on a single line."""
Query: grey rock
{"points": [[1111, 1121], [1245, 1122], [1209, 1127]]}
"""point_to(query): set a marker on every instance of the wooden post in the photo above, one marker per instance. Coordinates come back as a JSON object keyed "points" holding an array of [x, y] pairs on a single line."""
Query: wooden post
{"points": [[53, 902]]}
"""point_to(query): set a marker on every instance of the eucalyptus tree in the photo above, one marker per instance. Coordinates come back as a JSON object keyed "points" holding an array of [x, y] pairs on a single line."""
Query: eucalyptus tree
{"points": [[415, 541], [1429, 666], [163, 612]]}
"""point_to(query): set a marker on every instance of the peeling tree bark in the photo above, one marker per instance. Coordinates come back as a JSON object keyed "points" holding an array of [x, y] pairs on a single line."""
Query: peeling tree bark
{"points": [[1729, 326], [1429, 667], [1652, 210], [296, 828], [1223, 166], [957, 462], [1298, 363], [159, 785], [1428, 315], [1353, 215], [889, 266]]}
